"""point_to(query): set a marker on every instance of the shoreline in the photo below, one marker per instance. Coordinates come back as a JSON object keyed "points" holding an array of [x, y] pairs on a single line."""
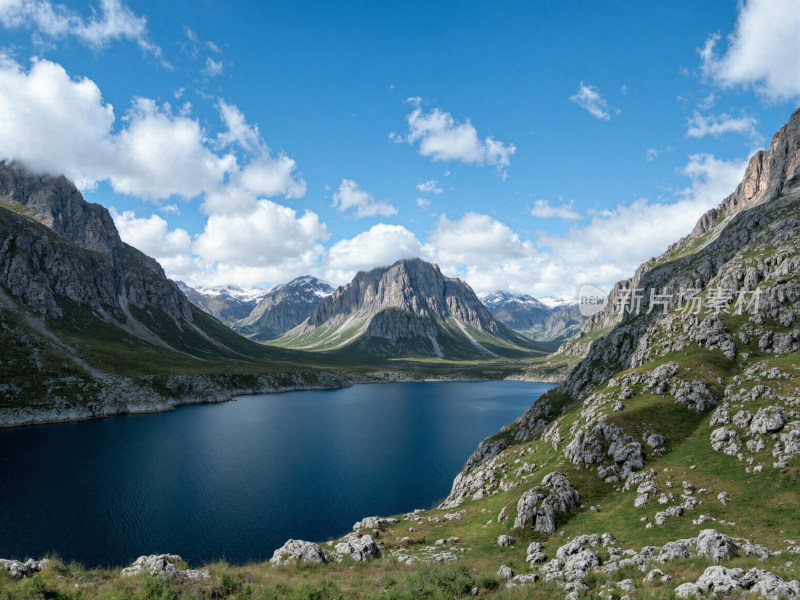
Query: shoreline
{"points": [[148, 400]]}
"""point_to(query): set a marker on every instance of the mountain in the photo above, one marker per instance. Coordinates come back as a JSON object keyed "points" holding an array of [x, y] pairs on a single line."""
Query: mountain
{"points": [[678, 434], [283, 308], [549, 319], [90, 325], [228, 303], [408, 308]]}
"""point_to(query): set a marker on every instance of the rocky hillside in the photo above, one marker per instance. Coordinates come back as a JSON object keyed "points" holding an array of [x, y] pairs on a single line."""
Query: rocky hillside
{"points": [[228, 303], [533, 318], [283, 308], [409, 307]]}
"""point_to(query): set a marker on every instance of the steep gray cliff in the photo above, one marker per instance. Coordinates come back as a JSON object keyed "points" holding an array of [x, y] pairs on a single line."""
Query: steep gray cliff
{"points": [[79, 255]]}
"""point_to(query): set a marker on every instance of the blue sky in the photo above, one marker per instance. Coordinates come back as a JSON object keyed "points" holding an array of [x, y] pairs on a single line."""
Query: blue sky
{"points": [[530, 146]]}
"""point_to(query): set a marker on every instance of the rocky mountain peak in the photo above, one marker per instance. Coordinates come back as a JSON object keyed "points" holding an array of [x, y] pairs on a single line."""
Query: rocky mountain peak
{"points": [[412, 285], [56, 202], [768, 174], [38, 264]]}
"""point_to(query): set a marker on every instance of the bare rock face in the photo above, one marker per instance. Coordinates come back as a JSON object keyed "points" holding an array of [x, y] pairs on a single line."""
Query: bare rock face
{"points": [[56, 202], [77, 255]]}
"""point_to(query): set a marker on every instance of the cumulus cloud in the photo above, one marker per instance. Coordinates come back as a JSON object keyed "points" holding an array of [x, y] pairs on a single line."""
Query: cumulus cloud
{"points": [[441, 138], [380, 245], [543, 210], [590, 98], [54, 123], [486, 253], [429, 187], [652, 154], [716, 125], [761, 52], [423, 203], [350, 197], [160, 154], [113, 22], [271, 243]]}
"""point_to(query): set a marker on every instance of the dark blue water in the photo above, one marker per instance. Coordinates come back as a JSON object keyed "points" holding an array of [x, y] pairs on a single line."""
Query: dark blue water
{"points": [[235, 480]]}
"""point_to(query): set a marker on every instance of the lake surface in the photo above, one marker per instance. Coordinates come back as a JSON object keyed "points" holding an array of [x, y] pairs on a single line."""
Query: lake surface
{"points": [[237, 479]]}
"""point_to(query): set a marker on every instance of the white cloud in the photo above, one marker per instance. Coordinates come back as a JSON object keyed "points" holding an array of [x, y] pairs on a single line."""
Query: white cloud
{"points": [[350, 197], [484, 252], [652, 154], [442, 138], [151, 235], [115, 21], [238, 131], [54, 123], [429, 187], [423, 203], [380, 245], [590, 98], [268, 244], [543, 210], [270, 235], [213, 68], [703, 125], [763, 51], [161, 154], [707, 102]]}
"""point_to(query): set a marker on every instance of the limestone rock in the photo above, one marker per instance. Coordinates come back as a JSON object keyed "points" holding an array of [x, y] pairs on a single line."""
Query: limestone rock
{"points": [[300, 550], [359, 549], [715, 546]]}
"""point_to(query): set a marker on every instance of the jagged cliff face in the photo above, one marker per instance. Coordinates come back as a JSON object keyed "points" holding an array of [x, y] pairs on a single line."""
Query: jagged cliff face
{"points": [[37, 265], [284, 308], [410, 301]]}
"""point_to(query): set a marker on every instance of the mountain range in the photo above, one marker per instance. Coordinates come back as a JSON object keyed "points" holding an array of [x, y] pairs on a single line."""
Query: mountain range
{"points": [[543, 319]]}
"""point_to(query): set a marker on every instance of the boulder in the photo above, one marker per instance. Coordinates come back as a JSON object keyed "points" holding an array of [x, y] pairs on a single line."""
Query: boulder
{"points": [[505, 540], [505, 572], [163, 565], [720, 580], [715, 546], [303, 551], [359, 549], [768, 420]]}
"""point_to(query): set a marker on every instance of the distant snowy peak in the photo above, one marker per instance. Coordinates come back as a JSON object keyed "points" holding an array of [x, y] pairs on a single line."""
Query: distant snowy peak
{"points": [[502, 298], [308, 284], [234, 292], [553, 303]]}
